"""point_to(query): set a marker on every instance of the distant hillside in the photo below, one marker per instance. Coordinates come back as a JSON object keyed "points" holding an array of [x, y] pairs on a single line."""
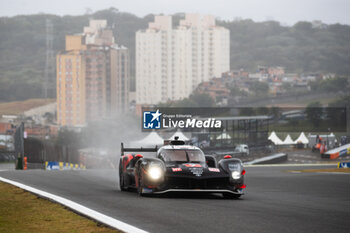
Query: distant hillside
{"points": [[18, 107], [300, 48]]}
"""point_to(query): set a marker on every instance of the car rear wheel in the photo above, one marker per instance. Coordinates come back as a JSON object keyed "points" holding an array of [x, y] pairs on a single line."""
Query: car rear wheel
{"points": [[121, 178], [231, 195], [121, 182]]}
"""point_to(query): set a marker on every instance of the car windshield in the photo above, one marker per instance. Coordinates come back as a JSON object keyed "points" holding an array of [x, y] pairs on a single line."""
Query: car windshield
{"points": [[183, 156]]}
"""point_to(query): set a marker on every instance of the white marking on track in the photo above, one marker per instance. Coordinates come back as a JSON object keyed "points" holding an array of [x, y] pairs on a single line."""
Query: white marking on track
{"points": [[79, 208], [302, 156]]}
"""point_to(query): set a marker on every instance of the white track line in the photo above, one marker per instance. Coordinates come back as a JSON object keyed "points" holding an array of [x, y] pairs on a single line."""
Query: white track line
{"points": [[79, 208]]}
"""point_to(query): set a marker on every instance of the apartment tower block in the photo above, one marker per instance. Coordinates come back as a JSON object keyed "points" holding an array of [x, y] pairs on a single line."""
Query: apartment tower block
{"points": [[170, 63], [92, 76]]}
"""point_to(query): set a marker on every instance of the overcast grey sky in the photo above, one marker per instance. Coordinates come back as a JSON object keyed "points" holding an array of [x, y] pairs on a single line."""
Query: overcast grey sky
{"points": [[285, 11]]}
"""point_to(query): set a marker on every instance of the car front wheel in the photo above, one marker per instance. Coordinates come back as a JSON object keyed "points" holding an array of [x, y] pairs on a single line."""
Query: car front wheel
{"points": [[140, 186]]}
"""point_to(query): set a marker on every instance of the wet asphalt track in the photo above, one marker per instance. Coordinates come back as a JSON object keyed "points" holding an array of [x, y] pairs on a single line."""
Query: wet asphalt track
{"points": [[275, 201]]}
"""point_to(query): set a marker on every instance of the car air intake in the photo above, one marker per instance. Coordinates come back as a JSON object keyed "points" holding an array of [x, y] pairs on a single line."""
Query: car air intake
{"points": [[177, 142]]}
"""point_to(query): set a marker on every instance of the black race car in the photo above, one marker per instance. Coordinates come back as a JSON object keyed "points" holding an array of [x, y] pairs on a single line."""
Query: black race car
{"points": [[180, 168]]}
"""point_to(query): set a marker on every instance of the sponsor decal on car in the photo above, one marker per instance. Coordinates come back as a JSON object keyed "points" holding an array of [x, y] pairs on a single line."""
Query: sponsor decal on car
{"points": [[147, 190], [177, 169], [192, 165], [197, 171], [214, 169]]}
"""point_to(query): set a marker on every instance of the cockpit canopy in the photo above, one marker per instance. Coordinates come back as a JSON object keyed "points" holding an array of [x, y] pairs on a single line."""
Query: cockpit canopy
{"points": [[182, 155]]}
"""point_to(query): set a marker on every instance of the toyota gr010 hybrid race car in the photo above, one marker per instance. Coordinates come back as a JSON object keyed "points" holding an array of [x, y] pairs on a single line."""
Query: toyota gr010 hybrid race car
{"points": [[182, 168]]}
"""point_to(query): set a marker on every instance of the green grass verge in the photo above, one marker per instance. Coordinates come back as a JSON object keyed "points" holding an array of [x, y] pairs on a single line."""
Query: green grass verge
{"points": [[21, 211]]}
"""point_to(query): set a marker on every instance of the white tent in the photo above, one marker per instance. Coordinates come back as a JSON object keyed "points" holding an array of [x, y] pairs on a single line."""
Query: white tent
{"points": [[224, 135], [288, 140], [180, 135], [151, 139], [275, 139], [302, 139]]}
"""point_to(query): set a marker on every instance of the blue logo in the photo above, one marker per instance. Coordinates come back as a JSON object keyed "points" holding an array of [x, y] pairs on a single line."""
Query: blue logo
{"points": [[151, 120]]}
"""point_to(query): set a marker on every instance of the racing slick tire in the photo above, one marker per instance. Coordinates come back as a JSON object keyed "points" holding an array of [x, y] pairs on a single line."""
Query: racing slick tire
{"points": [[121, 183], [121, 178], [140, 189], [231, 195]]}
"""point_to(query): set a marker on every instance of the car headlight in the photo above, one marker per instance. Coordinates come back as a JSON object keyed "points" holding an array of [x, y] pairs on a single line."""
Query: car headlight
{"points": [[155, 172], [236, 175]]}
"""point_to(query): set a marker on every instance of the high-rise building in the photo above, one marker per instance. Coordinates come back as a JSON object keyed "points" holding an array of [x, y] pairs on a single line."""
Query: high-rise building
{"points": [[170, 63], [118, 99], [92, 76]]}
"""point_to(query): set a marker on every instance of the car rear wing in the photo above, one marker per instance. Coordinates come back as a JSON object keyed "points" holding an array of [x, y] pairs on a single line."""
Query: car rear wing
{"points": [[139, 149]]}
